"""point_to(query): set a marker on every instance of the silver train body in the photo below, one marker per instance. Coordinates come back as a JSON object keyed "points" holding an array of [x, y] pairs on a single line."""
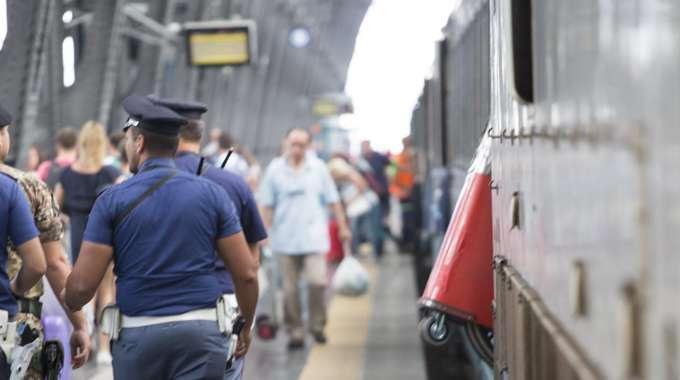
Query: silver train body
{"points": [[581, 99]]}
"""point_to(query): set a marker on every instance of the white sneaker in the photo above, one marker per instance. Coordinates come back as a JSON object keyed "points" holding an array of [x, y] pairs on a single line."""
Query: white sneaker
{"points": [[104, 358]]}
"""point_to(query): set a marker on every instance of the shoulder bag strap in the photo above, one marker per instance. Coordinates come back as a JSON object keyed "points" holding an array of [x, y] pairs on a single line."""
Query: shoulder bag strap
{"points": [[157, 185]]}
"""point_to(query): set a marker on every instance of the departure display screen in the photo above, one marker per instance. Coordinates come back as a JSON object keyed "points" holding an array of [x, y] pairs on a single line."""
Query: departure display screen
{"points": [[219, 46]]}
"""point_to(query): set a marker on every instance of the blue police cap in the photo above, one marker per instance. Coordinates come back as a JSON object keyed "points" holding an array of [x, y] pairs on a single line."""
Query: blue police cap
{"points": [[5, 117], [144, 114], [187, 109]]}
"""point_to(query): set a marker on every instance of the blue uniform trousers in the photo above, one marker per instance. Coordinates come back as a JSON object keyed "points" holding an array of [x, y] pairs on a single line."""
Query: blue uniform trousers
{"points": [[175, 350], [236, 370]]}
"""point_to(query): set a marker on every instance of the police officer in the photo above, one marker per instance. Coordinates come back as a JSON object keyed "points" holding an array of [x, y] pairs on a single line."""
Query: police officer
{"points": [[162, 228], [48, 221], [16, 223], [240, 194]]}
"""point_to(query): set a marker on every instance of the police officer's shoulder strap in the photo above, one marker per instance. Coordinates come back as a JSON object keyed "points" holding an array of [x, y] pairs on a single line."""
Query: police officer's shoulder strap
{"points": [[157, 185], [13, 178], [203, 166], [199, 170]]}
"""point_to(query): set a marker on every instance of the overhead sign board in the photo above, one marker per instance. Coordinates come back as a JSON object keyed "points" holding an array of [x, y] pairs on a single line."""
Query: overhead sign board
{"points": [[220, 43], [332, 105]]}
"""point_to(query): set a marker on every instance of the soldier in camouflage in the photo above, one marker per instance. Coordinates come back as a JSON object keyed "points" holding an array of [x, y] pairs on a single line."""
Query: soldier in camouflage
{"points": [[48, 222]]}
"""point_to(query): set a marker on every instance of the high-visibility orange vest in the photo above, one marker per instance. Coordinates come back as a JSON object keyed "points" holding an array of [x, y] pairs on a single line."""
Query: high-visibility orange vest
{"points": [[404, 178]]}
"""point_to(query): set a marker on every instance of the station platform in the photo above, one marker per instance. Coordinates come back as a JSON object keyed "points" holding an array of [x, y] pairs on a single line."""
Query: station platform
{"points": [[369, 337]]}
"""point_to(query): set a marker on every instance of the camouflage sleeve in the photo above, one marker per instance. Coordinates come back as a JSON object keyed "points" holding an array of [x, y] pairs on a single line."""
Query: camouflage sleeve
{"points": [[45, 209]]}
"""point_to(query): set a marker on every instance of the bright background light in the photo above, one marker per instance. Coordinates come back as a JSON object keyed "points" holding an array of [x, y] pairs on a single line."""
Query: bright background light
{"points": [[394, 52], [3, 22], [69, 59], [67, 17], [299, 37]]}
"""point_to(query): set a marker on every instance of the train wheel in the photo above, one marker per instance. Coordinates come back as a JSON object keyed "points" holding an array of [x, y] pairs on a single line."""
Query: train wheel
{"points": [[481, 340], [435, 330]]}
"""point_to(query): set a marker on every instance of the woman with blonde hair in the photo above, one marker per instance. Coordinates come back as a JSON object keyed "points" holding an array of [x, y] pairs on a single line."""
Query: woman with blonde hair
{"points": [[80, 183], [78, 187]]}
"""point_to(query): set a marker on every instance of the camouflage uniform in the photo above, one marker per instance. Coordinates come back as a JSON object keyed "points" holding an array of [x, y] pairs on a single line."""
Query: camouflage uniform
{"points": [[47, 220]]}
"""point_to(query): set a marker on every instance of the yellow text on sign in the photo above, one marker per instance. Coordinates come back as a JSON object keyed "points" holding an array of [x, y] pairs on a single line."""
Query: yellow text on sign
{"points": [[226, 48]]}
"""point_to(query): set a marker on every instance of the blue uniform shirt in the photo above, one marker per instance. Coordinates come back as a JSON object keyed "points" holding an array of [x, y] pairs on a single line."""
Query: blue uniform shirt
{"points": [[16, 223], [164, 251], [241, 197]]}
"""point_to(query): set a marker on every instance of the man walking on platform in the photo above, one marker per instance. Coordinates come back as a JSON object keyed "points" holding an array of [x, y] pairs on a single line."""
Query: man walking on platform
{"points": [[16, 224], [162, 228], [49, 171], [188, 159], [403, 187], [48, 221], [377, 177], [295, 194]]}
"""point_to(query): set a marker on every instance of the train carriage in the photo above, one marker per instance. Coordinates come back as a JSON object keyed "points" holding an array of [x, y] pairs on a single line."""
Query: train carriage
{"points": [[578, 98]]}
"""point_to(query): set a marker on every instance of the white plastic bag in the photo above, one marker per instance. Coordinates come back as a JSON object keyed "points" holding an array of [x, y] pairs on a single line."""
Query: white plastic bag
{"points": [[394, 222], [351, 279]]}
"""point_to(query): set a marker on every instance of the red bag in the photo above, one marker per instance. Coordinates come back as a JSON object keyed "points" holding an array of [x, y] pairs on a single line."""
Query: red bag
{"points": [[336, 252]]}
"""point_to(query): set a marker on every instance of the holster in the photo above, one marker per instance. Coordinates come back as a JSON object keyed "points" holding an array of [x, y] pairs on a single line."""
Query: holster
{"points": [[22, 357], [110, 323], [227, 317], [227, 313], [8, 335]]}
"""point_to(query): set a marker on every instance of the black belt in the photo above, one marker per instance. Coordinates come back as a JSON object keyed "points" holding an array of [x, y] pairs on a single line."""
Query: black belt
{"points": [[30, 306]]}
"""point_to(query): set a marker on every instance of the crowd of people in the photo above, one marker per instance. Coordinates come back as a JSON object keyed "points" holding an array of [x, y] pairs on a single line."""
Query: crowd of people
{"points": [[102, 211]]}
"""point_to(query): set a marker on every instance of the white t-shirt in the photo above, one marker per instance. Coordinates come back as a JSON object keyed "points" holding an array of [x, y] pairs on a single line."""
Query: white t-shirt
{"points": [[236, 164]]}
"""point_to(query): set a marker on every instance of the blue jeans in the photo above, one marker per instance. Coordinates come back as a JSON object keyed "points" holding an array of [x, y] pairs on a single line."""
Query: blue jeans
{"points": [[175, 350], [369, 226]]}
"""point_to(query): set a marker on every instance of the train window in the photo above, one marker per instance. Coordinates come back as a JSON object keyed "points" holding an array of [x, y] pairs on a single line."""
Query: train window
{"points": [[3, 22], [522, 65]]}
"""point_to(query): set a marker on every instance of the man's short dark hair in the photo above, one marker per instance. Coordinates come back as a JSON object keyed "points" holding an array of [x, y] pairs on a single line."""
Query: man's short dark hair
{"points": [[157, 144], [225, 141], [123, 153], [192, 131], [116, 137], [67, 138]]}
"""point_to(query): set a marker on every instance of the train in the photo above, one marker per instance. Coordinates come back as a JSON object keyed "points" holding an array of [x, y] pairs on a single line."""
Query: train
{"points": [[578, 102]]}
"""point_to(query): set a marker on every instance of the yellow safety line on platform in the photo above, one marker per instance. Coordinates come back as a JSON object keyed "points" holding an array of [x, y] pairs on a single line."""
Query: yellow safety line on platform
{"points": [[342, 358]]}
